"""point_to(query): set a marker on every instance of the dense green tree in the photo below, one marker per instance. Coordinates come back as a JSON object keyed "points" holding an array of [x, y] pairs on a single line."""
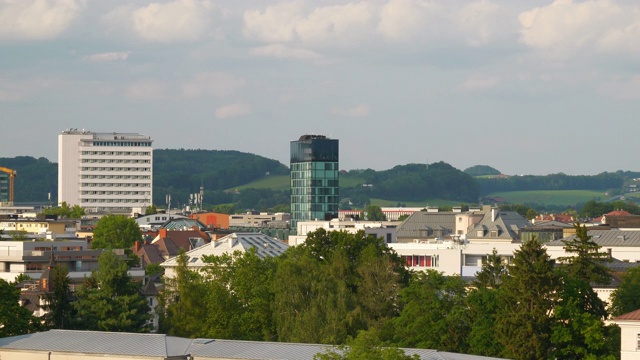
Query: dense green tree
{"points": [[110, 300], [481, 170], [153, 269], [181, 307], [373, 213], [493, 269], [151, 210], [334, 285], [14, 319], [579, 331], [483, 302], [59, 308], [403, 217], [241, 287], [115, 232], [434, 313], [626, 297], [528, 295], [585, 261], [366, 345], [65, 211]]}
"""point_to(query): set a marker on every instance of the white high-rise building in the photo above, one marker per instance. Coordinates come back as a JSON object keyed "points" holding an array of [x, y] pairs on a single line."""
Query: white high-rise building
{"points": [[105, 171]]}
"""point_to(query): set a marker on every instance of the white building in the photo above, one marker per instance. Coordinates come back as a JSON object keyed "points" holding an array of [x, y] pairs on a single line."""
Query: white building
{"points": [[381, 229], [264, 245], [105, 171]]}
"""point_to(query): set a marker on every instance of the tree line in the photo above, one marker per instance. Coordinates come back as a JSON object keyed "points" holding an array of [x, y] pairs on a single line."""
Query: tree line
{"points": [[340, 288]]}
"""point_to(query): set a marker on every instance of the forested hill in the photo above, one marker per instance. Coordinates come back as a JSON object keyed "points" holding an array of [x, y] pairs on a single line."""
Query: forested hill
{"points": [[181, 172], [35, 178], [413, 182]]}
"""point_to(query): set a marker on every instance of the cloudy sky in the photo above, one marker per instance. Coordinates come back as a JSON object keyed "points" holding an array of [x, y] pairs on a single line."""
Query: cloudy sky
{"points": [[529, 87]]}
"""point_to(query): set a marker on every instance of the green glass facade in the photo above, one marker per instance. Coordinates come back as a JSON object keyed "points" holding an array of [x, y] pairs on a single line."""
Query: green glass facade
{"points": [[314, 179], [4, 187]]}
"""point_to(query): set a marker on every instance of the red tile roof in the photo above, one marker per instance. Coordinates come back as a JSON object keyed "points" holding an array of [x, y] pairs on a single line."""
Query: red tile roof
{"points": [[634, 315]]}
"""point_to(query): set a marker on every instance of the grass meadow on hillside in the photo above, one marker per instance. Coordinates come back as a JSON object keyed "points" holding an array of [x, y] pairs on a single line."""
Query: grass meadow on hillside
{"points": [[549, 197]]}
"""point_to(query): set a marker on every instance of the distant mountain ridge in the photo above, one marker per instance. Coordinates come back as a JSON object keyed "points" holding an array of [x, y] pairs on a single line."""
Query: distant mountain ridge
{"points": [[181, 172]]}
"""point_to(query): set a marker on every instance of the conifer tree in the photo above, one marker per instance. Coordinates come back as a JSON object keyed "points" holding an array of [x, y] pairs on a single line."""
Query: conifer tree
{"points": [[528, 295], [59, 307], [110, 300]]}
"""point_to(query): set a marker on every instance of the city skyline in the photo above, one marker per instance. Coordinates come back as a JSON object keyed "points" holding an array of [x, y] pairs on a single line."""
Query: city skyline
{"points": [[527, 87]]}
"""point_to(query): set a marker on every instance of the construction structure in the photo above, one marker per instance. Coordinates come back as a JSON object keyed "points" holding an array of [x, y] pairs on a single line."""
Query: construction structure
{"points": [[7, 180]]}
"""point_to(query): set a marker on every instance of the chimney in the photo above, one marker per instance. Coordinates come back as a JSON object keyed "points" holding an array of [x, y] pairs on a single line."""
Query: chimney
{"points": [[162, 233], [136, 247], [493, 214], [232, 240]]}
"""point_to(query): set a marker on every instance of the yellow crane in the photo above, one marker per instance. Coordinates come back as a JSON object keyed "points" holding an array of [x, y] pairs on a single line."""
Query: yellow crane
{"points": [[12, 176]]}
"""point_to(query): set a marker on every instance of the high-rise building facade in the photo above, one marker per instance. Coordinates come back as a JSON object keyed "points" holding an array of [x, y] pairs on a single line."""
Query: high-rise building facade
{"points": [[314, 179], [105, 171]]}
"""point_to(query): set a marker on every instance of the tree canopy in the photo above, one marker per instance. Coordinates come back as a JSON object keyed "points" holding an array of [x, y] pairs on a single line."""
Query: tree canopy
{"points": [[110, 300], [14, 318], [115, 232]]}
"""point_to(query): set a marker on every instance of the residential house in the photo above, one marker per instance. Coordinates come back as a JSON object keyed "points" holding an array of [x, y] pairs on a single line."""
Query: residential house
{"points": [[379, 229], [264, 245], [545, 231], [168, 244], [497, 226], [629, 335], [32, 257]]}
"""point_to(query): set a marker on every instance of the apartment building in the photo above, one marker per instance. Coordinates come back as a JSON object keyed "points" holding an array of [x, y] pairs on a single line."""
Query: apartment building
{"points": [[105, 171]]}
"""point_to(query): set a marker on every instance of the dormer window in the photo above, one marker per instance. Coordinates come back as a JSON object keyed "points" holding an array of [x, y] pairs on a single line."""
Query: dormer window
{"points": [[494, 233], [480, 233]]}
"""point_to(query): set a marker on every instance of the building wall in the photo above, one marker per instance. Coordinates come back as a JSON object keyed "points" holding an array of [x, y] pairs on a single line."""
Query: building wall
{"points": [[629, 340], [314, 179], [104, 171]]}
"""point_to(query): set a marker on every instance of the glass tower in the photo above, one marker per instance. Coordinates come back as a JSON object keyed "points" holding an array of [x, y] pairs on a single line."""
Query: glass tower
{"points": [[314, 179]]}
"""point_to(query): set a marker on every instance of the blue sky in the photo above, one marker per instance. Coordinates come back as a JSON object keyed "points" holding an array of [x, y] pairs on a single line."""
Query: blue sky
{"points": [[529, 87]]}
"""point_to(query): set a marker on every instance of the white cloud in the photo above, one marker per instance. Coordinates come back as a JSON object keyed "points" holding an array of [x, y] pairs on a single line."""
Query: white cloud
{"points": [[37, 19], [339, 24], [146, 90], [479, 82], [283, 52], [275, 24], [232, 110], [335, 25], [212, 83], [360, 110], [176, 21], [108, 56], [483, 22], [565, 27], [408, 20]]}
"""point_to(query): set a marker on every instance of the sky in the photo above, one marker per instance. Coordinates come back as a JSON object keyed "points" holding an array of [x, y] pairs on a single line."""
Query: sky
{"points": [[528, 87]]}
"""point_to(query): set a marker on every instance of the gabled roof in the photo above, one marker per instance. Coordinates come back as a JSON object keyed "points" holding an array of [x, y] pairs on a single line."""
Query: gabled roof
{"points": [[98, 342], [508, 222], [150, 288], [183, 223], [423, 220], [150, 253], [606, 238], [265, 246], [633, 316]]}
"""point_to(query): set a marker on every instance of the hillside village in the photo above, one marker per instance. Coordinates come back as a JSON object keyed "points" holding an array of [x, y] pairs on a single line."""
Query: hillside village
{"points": [[170, 260]]}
